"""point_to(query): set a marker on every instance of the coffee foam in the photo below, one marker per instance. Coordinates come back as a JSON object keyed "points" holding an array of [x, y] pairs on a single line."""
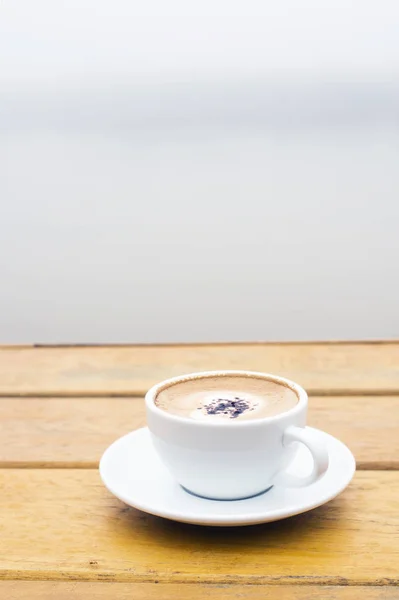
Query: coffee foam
{"points": [[226, 398]]}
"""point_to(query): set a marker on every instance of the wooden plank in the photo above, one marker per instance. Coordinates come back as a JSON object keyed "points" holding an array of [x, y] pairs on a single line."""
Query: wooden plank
{"points": [[74, 432], [321, 368], [49, 590], [63, 432], [368, 425], [63, 524]]}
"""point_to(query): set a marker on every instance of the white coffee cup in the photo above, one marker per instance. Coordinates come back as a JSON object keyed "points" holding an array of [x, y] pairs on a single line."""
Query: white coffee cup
{"points": [[235, 460]]}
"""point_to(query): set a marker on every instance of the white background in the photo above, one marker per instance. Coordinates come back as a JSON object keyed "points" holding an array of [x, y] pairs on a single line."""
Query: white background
{"points": [[216, 171]]}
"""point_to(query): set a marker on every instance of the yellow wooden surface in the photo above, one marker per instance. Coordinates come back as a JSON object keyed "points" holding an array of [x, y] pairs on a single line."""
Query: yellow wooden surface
{"points": [[63, 535], [73, 432], [38, 590], [322, 368], [62, 524]]}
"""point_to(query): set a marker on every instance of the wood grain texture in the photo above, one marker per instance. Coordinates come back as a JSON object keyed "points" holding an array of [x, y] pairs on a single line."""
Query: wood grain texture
{"points": [[322, 368], [63, 432], [63, 524], [76, 590], [74, 432]]}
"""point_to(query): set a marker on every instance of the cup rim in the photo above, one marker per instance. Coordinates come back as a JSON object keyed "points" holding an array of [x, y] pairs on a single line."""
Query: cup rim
{"points": [[155, 389]]}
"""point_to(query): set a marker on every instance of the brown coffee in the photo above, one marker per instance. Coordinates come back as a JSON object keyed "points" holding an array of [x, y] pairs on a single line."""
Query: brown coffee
{"points": [[226, 398]]}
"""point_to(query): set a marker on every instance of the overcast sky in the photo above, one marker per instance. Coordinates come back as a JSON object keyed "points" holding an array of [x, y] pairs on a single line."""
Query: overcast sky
{"points": [[53, 41], [217, 170]]}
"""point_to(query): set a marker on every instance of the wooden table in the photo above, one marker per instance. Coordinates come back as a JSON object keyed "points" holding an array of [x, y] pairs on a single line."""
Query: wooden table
{"points": [[63, 535]]}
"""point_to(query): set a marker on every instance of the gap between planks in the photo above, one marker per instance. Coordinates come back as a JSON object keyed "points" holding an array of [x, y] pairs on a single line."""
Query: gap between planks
{"points": [[139, 394], [217, 343], [71, 590], [362, 466]]}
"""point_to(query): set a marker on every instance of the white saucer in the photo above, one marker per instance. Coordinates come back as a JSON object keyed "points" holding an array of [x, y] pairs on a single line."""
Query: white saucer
{"points": [[132, 471]]}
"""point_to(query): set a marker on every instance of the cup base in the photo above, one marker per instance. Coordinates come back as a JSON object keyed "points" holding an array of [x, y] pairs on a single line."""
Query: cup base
{"points": [[225, 499]]}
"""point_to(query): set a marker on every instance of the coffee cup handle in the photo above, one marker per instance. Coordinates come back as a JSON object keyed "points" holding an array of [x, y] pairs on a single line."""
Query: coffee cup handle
{"points": [[310, 438]]}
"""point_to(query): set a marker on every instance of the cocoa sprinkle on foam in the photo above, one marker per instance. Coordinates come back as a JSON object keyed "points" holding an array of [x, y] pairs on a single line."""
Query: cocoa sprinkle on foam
{"points": [[232, 408]]}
